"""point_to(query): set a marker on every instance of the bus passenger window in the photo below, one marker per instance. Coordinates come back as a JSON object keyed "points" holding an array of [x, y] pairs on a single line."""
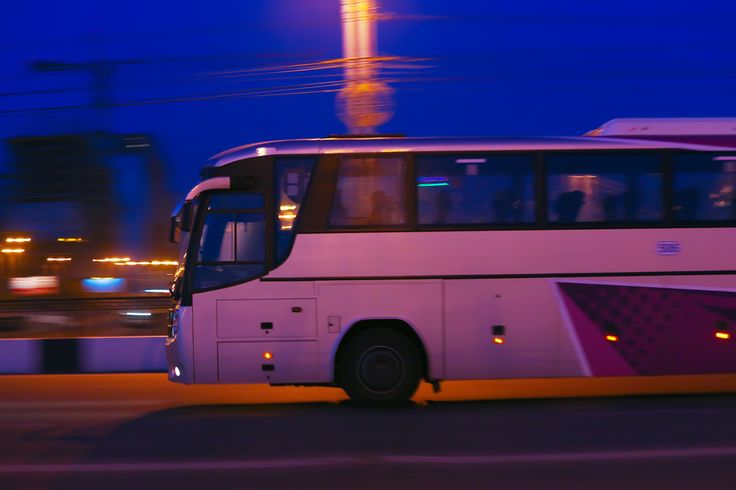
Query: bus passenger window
{"points": [[567, 206], [475, 189], [370, 192], [292, 180], [603, 187], [704, 187]]}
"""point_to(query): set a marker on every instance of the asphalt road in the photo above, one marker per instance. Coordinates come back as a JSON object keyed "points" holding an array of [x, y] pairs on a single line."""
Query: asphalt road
{"points": [[139, 431]]}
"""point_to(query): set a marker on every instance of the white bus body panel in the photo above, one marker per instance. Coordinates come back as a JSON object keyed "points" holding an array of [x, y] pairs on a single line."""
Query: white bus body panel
{"points": [[475, 253], [433, 281], [230, 343], [417, 303], [534, 343]]}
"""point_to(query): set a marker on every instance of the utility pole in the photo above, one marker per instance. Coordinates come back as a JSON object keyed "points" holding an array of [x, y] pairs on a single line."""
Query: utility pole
{"points": [[100, 85], [365, 102]]}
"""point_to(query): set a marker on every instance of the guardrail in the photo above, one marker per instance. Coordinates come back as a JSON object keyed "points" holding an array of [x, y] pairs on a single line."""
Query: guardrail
{"points": [[83, 334], [83, 355], [77, 304], [58, 317]]}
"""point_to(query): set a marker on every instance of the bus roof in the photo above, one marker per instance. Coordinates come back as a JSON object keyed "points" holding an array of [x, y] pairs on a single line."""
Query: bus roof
{"points": [[387, 145], [675, 126]]}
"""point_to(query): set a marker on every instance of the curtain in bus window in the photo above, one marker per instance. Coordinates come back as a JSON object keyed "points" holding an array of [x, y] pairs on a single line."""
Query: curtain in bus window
{"points": [[704, 187], [610, 187], [478, 189], [370, 192]]}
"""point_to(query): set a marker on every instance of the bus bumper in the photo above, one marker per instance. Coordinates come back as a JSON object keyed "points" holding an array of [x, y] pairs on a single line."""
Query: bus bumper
{"points": [[179, 348]]}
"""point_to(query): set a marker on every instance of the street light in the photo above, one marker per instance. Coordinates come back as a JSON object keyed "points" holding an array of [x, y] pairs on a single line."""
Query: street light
{"points": [[13, 250]]}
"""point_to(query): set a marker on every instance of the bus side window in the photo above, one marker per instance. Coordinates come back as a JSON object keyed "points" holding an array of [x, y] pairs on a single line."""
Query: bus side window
{"points": [[292, 181], [370, 192], [475, 189], [704, 187], [607, 187]]}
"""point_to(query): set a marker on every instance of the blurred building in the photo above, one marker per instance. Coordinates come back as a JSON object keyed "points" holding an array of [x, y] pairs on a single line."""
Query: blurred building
{"points": [[80, 197]]}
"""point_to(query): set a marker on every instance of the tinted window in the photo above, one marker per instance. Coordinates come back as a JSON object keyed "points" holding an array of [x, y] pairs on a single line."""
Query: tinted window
{"points": [[232, 246], [457, 189], [233, 237], [292, 179], [370, 192], [210, 276], [704, 187], [594, 187], [237, 200]]}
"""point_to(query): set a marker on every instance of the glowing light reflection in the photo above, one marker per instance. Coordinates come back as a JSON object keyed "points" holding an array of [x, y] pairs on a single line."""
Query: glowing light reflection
{"points": [[13, 250]]}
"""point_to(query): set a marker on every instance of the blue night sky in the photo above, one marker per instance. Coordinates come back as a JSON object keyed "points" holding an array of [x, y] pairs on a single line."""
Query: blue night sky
{"points": [[497, 67]]}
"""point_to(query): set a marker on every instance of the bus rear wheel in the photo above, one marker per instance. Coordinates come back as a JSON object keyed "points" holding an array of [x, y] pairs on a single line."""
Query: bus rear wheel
{"points": [[380, 368]]}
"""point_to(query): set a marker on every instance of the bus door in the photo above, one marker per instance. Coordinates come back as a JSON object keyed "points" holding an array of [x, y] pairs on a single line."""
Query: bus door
{"points": [[230, 251]]}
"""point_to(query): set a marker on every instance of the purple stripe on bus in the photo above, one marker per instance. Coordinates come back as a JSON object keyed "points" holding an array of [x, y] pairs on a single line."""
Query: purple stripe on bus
{"points": [[603, 360], [655, 331]]}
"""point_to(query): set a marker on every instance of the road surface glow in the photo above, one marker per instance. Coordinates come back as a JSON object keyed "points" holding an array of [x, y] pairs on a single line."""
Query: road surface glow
{"points": [[337, 461]]}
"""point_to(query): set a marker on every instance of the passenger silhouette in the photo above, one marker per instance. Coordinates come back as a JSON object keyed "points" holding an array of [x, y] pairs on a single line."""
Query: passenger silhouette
{"points": [[567, 206]]}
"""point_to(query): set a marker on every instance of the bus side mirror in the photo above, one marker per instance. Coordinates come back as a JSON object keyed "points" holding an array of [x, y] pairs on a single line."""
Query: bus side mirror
{"points": [[173, 230], [181, 221]]}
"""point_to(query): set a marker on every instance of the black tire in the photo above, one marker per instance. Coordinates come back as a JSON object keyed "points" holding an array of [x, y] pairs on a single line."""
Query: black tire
{"points": [[380, 367]]}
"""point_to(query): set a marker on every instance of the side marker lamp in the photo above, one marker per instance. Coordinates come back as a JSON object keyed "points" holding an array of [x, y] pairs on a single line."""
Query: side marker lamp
{"points": [[612, 338], [723, 335], [498, 340], [267, 355]]}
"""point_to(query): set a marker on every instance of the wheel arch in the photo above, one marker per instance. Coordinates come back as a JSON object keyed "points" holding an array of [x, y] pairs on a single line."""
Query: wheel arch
{"points": [[397, 324]]}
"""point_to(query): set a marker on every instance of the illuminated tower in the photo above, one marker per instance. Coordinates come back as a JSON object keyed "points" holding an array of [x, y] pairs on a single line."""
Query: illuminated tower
{"points": [[365, 101]]}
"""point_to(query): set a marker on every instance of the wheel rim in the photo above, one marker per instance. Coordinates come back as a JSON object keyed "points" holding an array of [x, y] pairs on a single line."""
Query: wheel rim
{"points": [[381, 369]]}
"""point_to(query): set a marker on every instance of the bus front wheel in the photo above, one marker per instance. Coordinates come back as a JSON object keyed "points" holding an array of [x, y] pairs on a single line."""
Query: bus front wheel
{"points": [[380, 368]]}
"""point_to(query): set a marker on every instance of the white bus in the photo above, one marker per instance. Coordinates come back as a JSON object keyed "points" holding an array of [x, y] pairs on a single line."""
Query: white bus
{"points": [[373, 263]]}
